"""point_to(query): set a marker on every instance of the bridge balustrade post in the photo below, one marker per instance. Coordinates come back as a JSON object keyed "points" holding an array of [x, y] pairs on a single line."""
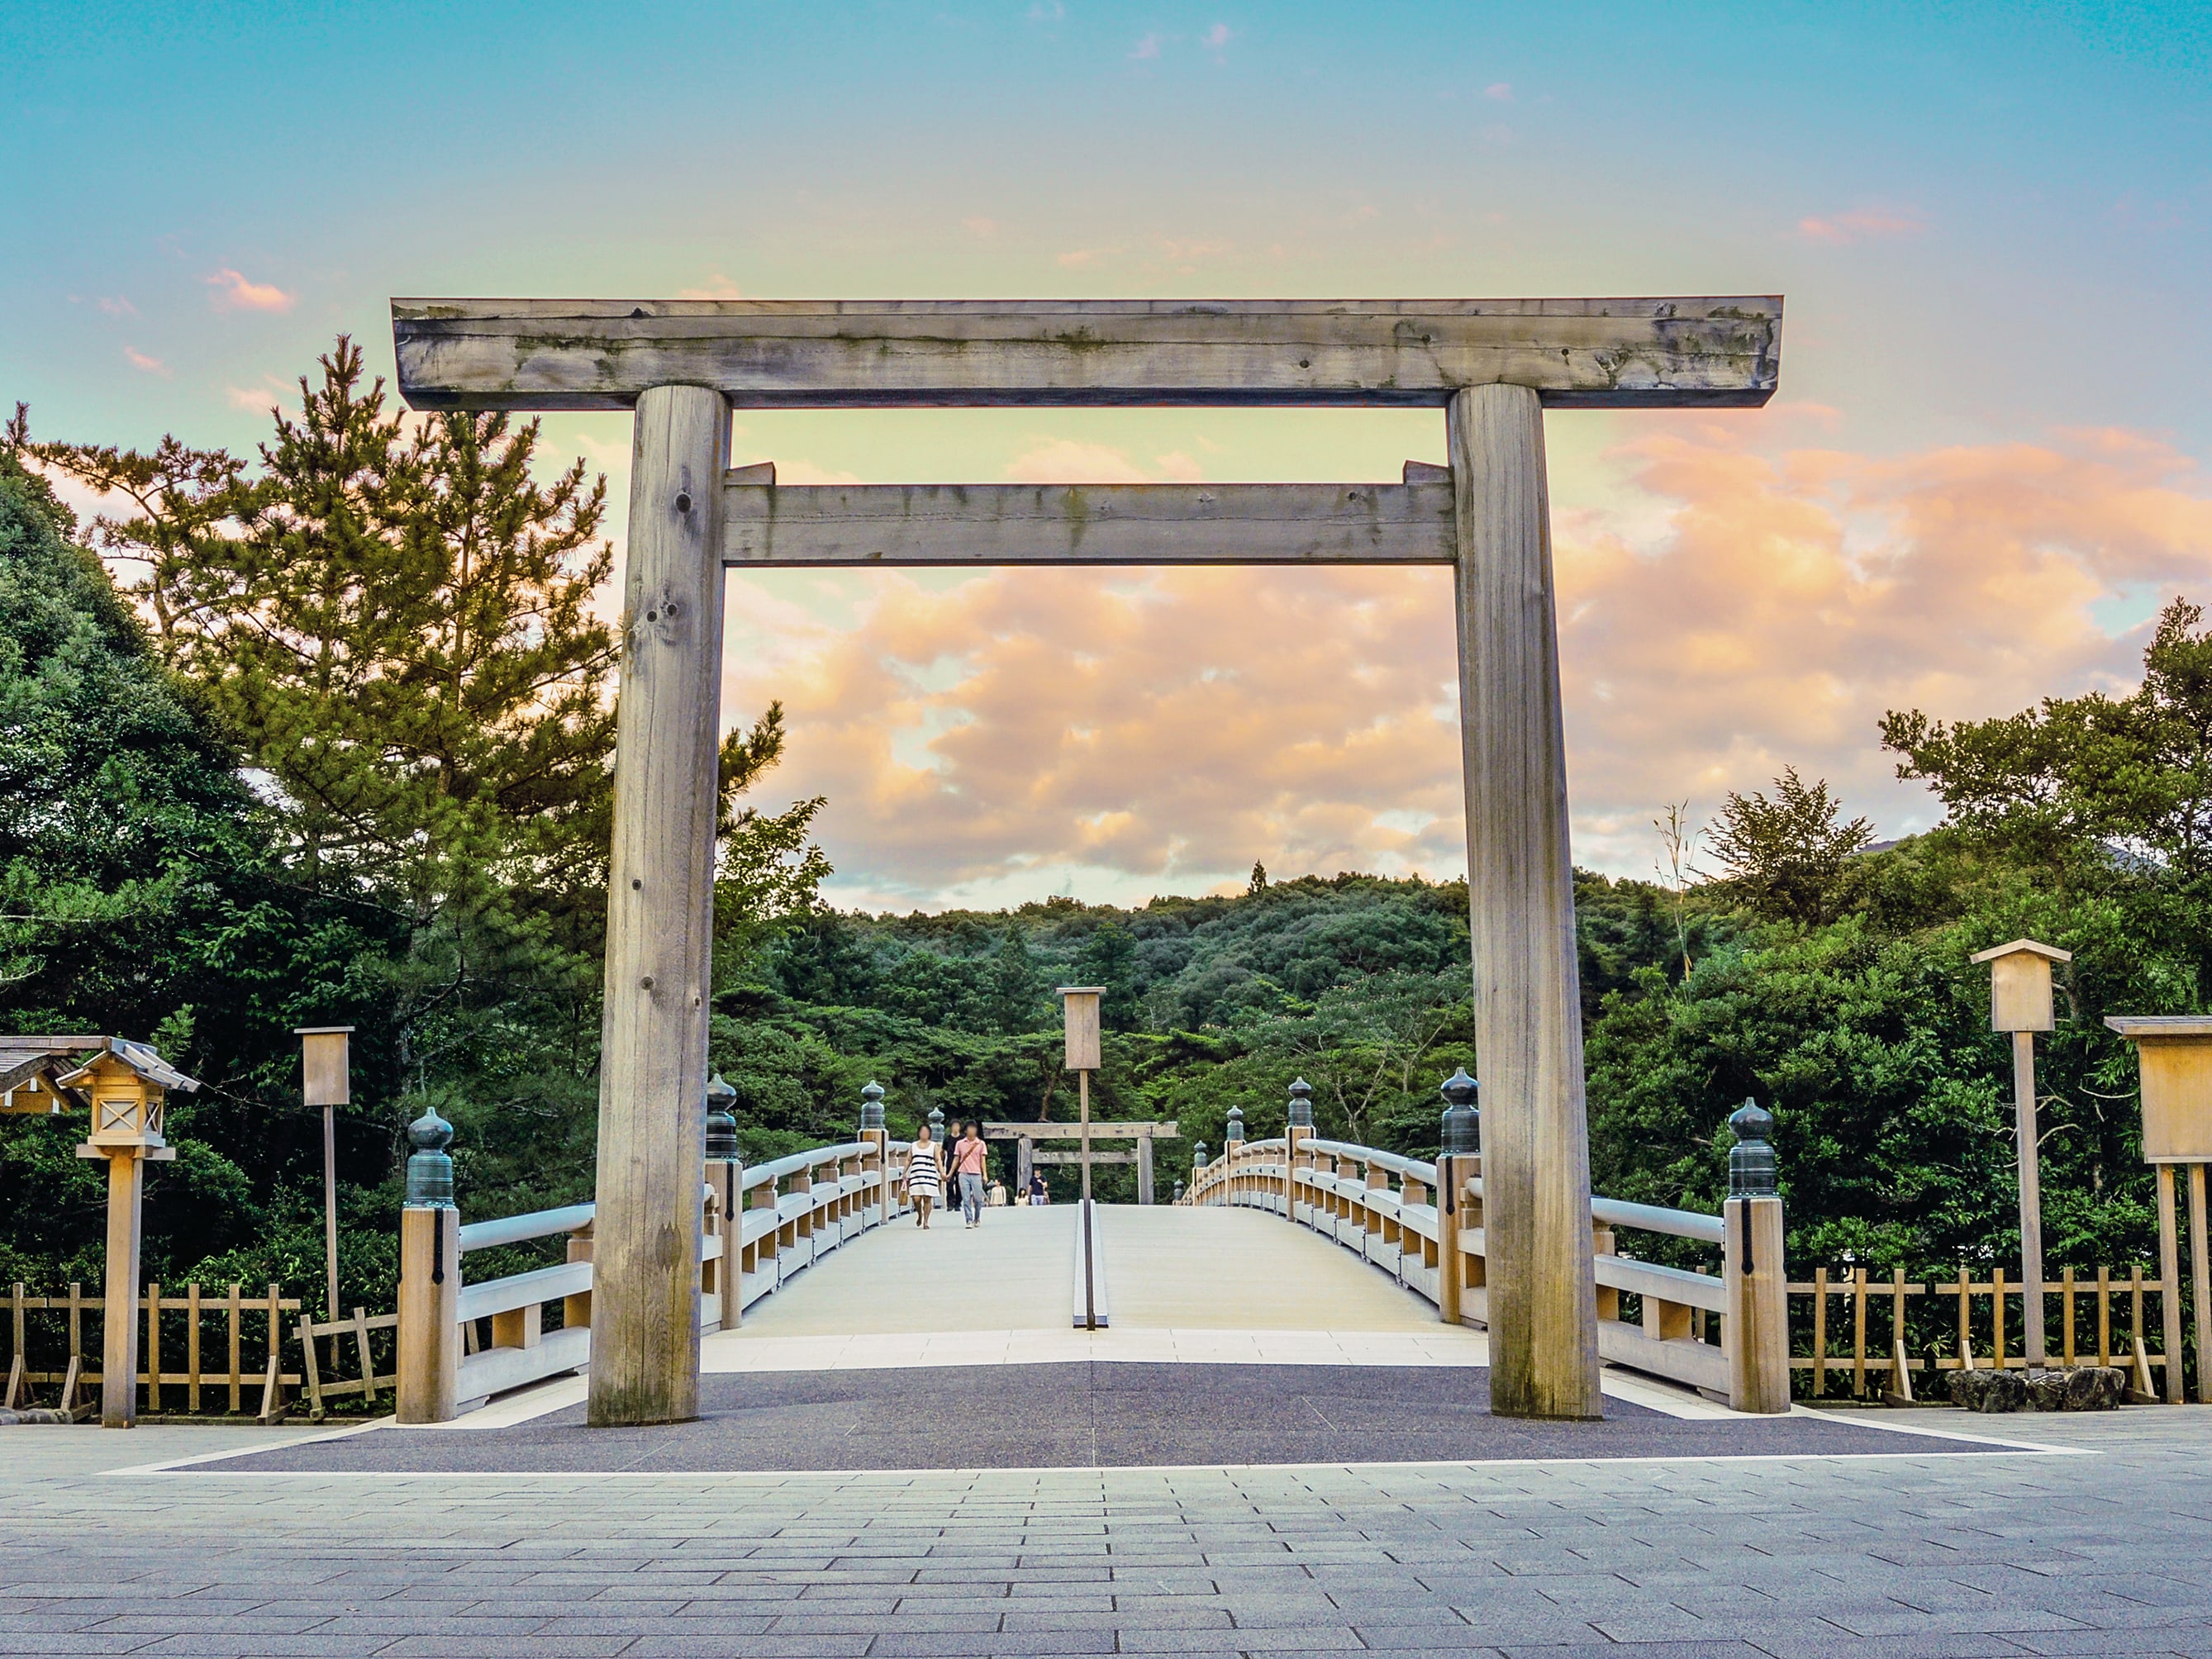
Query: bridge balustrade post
{"points": [[1298, 1129], [726, 1176], [878, 1138], [1602, 1244], [770, 1248], [430, 1333], [577, 1310], [1757, 1331], [1458, 1161]]}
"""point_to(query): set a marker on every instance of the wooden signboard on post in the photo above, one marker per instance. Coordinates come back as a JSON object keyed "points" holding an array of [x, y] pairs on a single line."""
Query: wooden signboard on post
{"points": [[326, 1081], [2175, 1051]]}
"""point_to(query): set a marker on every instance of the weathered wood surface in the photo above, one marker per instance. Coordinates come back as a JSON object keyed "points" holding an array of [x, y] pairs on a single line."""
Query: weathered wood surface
{"points": [[863, 354], [1099, 1131], [652, 1077], [839, 525], [118, 1388], [1542, 1307]]}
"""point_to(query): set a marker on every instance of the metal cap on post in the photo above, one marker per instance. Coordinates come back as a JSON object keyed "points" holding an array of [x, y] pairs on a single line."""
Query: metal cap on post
{"points": [[1462, 1123], [721, 1124], [1300, 1114], [1233, 1135], [872, 1107], [937, 1123], [1178, 1192], [1197, 1156], [1752, 1171], [430, 1170]]}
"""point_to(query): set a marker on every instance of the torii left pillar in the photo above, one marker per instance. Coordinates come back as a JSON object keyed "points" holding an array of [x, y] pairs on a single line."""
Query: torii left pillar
{"points": [[661, 885]]}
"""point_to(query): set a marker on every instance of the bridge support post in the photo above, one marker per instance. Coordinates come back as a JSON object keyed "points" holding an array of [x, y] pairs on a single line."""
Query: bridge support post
{"points": [[652, 1068], [1757, 1306], [1542, 1301], [429, 1332]]}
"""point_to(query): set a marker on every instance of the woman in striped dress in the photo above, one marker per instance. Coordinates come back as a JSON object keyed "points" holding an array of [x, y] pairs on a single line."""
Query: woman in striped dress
{"points": [[925, 1175]]}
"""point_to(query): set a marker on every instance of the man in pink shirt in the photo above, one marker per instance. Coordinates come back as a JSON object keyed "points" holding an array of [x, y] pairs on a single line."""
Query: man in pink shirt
{"points": [[970, 1159]]}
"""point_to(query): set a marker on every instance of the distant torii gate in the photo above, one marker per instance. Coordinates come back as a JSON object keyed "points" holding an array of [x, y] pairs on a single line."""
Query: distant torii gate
{"points": [[1492, 365]]}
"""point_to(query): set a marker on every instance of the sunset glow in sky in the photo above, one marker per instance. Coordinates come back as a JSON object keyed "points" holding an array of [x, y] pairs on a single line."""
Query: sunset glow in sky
{"points": [[1985, 470]]}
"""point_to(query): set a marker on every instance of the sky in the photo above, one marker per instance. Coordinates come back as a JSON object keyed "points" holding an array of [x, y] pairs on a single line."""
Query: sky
{"points": [[1985, 470]]}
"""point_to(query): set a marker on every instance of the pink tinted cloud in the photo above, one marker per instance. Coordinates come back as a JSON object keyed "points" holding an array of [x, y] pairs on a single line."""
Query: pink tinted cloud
{"points": [[234, 292], [1862, 225], [144, 364], [1499, 91], [1755, 611]]}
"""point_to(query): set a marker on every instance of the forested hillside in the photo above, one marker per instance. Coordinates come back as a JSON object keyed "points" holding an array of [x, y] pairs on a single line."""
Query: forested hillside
{"points": [[325, 737]]}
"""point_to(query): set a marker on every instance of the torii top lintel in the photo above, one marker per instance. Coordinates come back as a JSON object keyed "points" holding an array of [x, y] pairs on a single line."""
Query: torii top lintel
{"points": [[870, 354]]}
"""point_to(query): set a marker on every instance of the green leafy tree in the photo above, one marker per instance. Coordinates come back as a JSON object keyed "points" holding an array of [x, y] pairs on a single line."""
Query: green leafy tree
{"points": [[1109, 960], [1013, 984], [2081, 777], [1785, 856]]}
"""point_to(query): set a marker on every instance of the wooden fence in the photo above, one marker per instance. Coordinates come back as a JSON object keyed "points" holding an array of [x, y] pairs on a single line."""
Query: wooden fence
{"points": [[2102, 1321], [245, 1325]]}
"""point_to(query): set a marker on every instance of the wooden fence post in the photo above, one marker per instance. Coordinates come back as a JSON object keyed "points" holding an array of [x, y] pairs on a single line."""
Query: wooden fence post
{"points": [[429, 1335]]}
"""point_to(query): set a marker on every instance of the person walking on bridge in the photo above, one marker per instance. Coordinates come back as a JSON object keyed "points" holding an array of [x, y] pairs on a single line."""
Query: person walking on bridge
{"points": [[925, 1175], [970, 1160]]}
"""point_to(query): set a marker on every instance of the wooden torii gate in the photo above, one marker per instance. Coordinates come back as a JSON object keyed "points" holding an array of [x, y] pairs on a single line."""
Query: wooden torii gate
{"points": [[1492, 365]]}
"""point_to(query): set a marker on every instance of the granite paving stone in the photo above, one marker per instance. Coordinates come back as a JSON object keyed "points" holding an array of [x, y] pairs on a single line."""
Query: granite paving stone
{"points": [[1923, 1556]]}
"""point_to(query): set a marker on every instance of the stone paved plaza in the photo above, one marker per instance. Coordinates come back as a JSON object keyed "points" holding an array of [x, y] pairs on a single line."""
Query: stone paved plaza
{"points": [[2108, 1550]]}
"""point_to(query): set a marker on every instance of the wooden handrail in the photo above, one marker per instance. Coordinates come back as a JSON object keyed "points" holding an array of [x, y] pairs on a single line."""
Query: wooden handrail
{"points": [[1388, 1209]]}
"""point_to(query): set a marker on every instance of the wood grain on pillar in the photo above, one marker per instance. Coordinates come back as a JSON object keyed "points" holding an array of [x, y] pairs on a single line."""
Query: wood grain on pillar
{"points": [[653, 1072], [1542, 1307]]}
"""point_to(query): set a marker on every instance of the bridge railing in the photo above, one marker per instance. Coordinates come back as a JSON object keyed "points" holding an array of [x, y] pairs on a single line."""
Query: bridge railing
{"points": [[1721, 1332], [758, 1227]]}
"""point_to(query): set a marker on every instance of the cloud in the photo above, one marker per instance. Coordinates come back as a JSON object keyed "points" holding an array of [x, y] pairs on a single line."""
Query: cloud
{"points": [[1147, 47], [1065, 460], [1499, 91], [1076, 258], [980, 227], [117, 306], [273, 394], [1862, 225], [1216, 37], [1746, 611], [722, 288], [1047, 11], [145, 365], [235, 293]]}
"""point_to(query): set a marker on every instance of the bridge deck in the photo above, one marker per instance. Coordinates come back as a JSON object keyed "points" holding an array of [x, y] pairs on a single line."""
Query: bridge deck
{"points": [[1170, 1268]]}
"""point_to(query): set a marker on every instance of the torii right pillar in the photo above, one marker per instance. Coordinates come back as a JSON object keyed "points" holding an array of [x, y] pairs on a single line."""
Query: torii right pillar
{"points": [[1521, 898]]}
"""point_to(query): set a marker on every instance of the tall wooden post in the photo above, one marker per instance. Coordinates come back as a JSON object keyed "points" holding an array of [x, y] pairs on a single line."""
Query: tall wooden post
{"points": [[2021, 1003], [2175, 1054], [118, 1342], [1542, 1310], [653, 1066]]}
